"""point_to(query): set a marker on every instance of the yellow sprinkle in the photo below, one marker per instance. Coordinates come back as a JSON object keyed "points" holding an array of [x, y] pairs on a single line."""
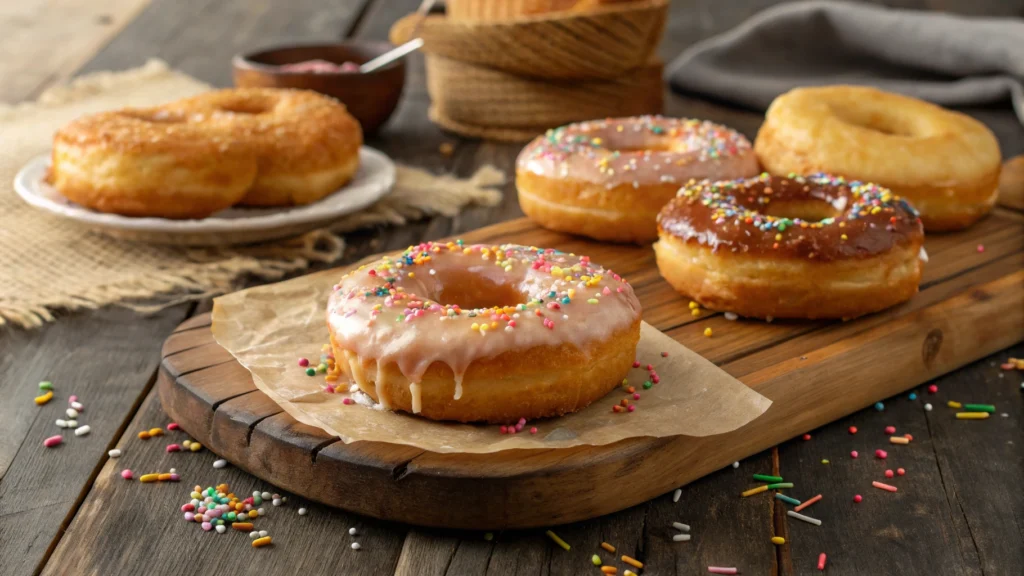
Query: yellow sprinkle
{"points": [[40, 400], [707, 332], [843, 236], [632, 561], [466, 250], [753, 491], [778, 540], [412, 274], [572, 292], [156, 431], [971, 415], [475, 326], [144, 435], [608, 547], [695, 312], [195, 447], [876, 210], [557, 271], [508, 268], [149, 478], [597, 141], [557, 540], [694, 305], [627, 572], [778, 237], [260, 542], [494, 324], [898, 440], [953, 404]]}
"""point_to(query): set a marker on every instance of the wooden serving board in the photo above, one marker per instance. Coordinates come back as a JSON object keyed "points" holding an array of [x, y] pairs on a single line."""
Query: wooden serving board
{"points": [[971, 304]]}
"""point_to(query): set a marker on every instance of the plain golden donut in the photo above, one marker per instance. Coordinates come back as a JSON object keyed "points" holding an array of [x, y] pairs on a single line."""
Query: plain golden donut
{"points": [[149, 162], [306, 144], [791, 247], [488, 334], [607, 179], [945, 163]]}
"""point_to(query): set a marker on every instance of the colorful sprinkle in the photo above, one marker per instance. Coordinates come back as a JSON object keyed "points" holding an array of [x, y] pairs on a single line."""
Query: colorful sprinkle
{"points": [[807, 503], [972, 415], [559, 541], [883, 486]]}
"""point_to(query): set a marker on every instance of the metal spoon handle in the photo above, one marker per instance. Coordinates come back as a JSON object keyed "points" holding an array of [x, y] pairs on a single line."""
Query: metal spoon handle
{"points": [[391, 55]]}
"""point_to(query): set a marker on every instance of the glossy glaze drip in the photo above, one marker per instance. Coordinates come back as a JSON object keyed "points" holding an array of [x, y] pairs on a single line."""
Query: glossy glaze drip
{"points": [[389, 312], [641, 151], [869, 220]]}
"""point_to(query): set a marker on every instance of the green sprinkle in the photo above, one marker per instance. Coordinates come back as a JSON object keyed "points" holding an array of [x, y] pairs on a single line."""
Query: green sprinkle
{"points": [[595, 560], [980, 408], [785, 498], [824, 461], [487, 535], [647, 385], [310, 371], [779, 485], [767, 478], [321, 368], [46, 385], [592, 301]]}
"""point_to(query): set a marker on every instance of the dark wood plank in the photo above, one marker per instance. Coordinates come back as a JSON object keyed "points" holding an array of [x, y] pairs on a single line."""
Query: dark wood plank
{"points": [[106, 358]]}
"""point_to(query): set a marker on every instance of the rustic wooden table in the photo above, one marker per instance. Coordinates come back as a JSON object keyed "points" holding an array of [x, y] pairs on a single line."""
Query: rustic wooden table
{"points": [[960, 509]]}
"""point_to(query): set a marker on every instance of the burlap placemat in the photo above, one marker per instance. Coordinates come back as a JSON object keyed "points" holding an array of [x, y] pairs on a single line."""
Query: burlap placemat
{"points": [[48, 264]]}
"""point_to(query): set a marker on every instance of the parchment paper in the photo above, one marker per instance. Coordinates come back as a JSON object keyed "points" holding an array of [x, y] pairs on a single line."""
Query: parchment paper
{"points": [[269, 328]]}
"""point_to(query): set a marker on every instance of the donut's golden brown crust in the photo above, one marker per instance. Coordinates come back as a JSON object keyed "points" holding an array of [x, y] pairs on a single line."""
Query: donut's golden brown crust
{"points": [[555, 381], [945, 163], [194, 157]]}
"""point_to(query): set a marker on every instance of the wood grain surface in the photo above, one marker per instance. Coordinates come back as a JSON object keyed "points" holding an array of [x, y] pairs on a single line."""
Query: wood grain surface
{"points": [[972, 460]]}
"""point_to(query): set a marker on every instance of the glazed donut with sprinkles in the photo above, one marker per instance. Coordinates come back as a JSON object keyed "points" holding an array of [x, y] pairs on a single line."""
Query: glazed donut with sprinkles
{"points": [[607, 179], [791, 247], [478, 333]]}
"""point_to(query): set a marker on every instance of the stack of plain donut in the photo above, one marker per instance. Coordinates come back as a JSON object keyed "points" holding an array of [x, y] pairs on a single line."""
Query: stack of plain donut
{"points": [[833, 228], [191, 158]]}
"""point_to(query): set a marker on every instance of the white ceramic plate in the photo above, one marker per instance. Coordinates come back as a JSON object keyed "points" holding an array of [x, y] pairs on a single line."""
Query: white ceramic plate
{"points": [[375, 178]]}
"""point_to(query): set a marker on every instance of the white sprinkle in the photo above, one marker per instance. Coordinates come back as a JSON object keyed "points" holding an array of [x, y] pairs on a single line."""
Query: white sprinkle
{"points": [[115, 453], [261, 511], [173, 471], [928, 407], [254, 534], [220, 463], [735, 465], [284, 499], [1005, 415], [356, 546], [82, 430], [186, 443], [433, 272], [302, 511], [677, 494], [71, 424], [77, 406], [62, 423], [266, 496], [807, 519], [681, 538], [681, 526], [71, 412], [276, 501], [731, 316], [221, 528], [352, 531], [264, 533]]}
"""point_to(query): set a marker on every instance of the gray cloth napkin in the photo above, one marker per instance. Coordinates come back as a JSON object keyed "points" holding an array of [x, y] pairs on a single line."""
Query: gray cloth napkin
{"points": [[948, 60]]}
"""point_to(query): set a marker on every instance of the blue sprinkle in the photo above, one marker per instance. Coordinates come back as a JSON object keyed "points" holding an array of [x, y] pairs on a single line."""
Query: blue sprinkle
{"points": [[913, 396], [879, 406]]}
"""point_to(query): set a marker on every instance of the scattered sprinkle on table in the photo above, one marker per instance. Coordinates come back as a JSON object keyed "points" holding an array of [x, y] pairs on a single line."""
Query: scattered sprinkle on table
{"points": [[82, 430], [356, 546], [778, 540], [881, 454], [972, 415], [879, 406], [808, 502], [933, 389], [824, 460], [898, 440], [787, 499], [53, 441], [559, 541], [608, 547], [890, 430], [722, 570], [854, 454], [800, 516], [884, 486], [980, 408], [735, 465], [707, 332], [595, 560], [680, 537], [609, 570], [853, 429], [115, 453], [807, 436], [900, 471], [767, 478], [889, 474], [45, 385], [220, 463], [954, 404], [40, 400], [857, 498], [261, 542], [753, 491], [126, 474], [632, 561], [821, 561], [928, 407], [677, 494]]}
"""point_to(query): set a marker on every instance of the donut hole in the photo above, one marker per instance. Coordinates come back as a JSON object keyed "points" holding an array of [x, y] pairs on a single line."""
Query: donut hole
{"points": [[882, 121], [809, 210], [248, 106], [471, 291]]}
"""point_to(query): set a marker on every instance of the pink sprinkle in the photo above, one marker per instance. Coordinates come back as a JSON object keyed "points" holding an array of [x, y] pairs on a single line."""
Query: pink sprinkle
{"points": [[503, 430], [885, 487], [981, 247], [650, 367], [511, 429], [890, 429], [854, 454], [72, 398], [636, 395], [173, 426], [900, 471], [908, 437], [664, 354], [207, 526], [189, 507], [53, 441], [933, 389], [807, 436], [173, 448], [857, 498], [190, 517], [303, 362], [632, 408], [655, 379], [853, 429], [889, 474], [175, 478], [347, 401], [721, 570], [533, 430], [329, 389], [636, 364], [126, 474], [882, 454]]}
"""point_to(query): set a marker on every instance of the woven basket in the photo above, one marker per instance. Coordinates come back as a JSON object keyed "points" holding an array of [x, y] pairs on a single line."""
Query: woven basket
{"points": [[477, 96], [502, 10], [485, 132], [600, 43]]}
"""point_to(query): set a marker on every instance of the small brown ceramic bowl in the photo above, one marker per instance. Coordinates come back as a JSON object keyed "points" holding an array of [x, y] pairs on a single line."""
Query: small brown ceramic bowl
{"points": [[370, 97]]}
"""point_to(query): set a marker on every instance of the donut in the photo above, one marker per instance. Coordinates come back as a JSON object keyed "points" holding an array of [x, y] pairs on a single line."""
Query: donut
{"points": [[306, 144], [945, 163], [473, 333], [791, 247], [607, 179], [149, 162]]}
